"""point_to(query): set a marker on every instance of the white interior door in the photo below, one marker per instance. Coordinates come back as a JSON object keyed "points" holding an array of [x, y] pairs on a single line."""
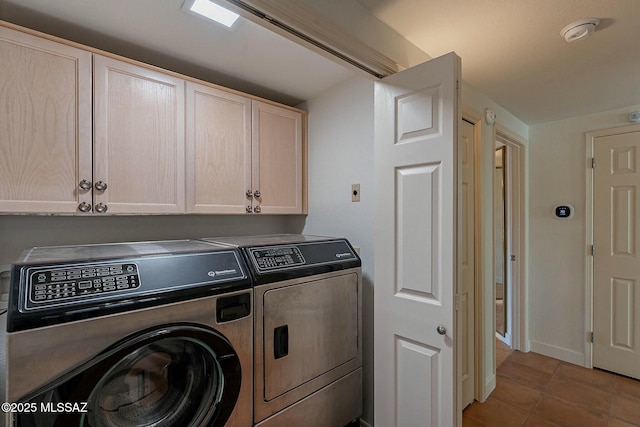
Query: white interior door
{"points": [[416, 121], [467, 295], [616, 285]]}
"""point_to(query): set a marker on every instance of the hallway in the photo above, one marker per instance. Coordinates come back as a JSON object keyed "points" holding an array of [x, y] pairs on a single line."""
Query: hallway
{"points": [[537, 391]]}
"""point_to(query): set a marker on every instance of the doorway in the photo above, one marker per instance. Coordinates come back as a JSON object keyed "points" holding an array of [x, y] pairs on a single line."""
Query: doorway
{"points": [[509, 238]]}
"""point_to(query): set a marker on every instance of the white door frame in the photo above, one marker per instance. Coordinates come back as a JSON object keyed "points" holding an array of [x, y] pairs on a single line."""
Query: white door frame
{"points": [[517, 219], [480, 346], [590, 152]]}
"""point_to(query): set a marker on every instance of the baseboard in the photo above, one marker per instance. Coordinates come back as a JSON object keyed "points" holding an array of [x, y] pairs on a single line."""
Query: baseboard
{"points": [[364, 424], [559, 353]]}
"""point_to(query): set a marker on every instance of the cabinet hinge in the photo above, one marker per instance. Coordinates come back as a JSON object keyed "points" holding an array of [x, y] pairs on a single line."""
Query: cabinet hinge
{"points": [[593, 250], [593, 163], [590, 337]]}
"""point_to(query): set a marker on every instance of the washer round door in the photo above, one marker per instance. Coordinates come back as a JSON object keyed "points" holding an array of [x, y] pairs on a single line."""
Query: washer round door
{"points": [[173, 376]]}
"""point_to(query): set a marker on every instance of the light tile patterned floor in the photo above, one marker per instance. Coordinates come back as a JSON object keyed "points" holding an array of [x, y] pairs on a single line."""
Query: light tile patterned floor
{"points": [[537, 391]]}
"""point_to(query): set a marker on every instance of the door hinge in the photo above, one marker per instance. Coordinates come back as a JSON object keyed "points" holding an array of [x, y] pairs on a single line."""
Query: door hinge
{"points": [[593, 250], [593, 163], [590, 337], [457, 303]]}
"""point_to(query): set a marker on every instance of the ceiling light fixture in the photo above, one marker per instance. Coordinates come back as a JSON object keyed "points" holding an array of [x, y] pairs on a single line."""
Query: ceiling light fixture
{"points": [[579, 30], [214, 12]]}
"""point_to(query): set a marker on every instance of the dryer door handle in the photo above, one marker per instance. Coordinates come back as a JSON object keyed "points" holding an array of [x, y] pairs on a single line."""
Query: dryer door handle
{"points": [[280, 341]]}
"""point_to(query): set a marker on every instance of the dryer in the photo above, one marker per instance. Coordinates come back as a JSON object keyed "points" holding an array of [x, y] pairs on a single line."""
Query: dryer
{"points": [[308, 329], [131, 334]]}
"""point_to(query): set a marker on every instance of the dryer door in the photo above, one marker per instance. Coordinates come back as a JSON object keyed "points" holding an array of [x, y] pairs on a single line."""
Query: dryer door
{"points": [[173, 376]]}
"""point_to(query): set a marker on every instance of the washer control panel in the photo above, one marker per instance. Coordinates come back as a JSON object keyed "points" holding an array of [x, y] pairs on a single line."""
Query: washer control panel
{"points": [[61, 284], [277, 257]]}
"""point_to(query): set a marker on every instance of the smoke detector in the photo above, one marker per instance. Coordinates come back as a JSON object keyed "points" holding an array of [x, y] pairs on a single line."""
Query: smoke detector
{"points": [[579, 30]]}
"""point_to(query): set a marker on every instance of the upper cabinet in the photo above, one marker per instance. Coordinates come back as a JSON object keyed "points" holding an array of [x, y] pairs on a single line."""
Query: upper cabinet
{"points": [[138, 139], [218, 151], [277, 159], [243, 156], [45, 125], [156, 143]]}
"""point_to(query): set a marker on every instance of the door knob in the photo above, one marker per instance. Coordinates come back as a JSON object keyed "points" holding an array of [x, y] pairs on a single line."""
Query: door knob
{"points": [[441, 330]]}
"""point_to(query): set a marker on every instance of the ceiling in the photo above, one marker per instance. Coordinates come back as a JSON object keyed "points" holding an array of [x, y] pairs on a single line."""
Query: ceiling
{"points": [[511, 50], [249, 58]]}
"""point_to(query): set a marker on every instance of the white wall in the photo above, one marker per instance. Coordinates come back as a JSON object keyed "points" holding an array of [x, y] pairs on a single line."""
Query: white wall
{"points": [[341, 154], [20, 232], [557, 248]]}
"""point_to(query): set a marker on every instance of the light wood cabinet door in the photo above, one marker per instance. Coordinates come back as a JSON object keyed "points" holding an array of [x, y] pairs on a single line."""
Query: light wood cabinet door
{"points": [[277, 159], [138, 139], [45, 124], [218, 151]]}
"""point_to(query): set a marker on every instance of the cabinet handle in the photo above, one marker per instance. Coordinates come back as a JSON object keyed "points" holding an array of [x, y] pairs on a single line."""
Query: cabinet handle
{"points": [[249, 194], [84, 207], [249, 210], [257, 209], [256, 194], [101, 207], [85, 184], [101, 186]]}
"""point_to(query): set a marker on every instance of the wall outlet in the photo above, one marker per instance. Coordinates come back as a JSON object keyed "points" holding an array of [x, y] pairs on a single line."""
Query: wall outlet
{"points": [[355, 192]]}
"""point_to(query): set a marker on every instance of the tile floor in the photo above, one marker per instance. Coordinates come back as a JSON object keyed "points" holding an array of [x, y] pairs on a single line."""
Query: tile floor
{"points": [[537, 391]]}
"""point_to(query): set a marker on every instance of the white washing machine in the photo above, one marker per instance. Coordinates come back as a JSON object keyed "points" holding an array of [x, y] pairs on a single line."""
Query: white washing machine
{"points": [[308, 329], [134, 334]]}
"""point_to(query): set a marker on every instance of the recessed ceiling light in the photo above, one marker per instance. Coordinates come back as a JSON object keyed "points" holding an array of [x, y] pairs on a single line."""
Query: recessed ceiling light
{"points": [[215, 12], [579, 30]]}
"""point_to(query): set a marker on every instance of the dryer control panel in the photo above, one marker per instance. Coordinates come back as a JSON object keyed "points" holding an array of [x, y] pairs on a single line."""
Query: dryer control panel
{"points": [[277, 257], [272, 263]]}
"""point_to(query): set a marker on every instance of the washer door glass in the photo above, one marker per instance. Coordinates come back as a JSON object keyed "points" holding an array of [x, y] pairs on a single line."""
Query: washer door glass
{"points": [[167, 383], [177, 375]]}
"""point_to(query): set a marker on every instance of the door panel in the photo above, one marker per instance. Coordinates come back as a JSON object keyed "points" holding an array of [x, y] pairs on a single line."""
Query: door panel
{"points": [[45, 124], [218, 150], [321, 320], [139, 138], [277, 159], [416, 120], [616, 262]]}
